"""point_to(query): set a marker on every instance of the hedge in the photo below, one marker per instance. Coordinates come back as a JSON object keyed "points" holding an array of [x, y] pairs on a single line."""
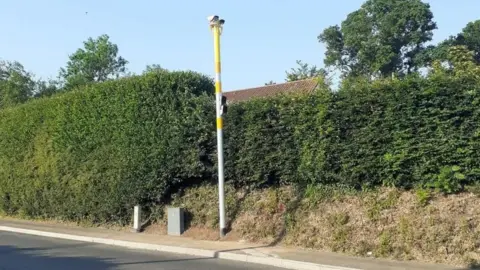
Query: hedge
{"points": [[277, 141], [93, 153], [414, 132], [405, 133]]}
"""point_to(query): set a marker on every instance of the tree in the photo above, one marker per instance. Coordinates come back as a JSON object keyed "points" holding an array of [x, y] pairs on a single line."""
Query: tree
{"points": [[461, 63], [16, 84], [380, 38], [304, 71], [153, 68], [270, 83], [469, 37], [96, 62], [45, 88]]}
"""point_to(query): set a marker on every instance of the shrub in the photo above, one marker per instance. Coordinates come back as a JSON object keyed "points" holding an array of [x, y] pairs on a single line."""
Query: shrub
{"points": [[92, 154]]}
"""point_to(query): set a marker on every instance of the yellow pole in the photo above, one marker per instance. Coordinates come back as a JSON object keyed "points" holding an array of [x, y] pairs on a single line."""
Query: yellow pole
{"points": [[218, 70], [217, 28]]}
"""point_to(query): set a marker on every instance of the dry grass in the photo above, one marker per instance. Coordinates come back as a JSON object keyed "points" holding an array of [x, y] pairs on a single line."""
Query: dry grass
{"points": [[404, 225], [157, 228], [386, 223]]}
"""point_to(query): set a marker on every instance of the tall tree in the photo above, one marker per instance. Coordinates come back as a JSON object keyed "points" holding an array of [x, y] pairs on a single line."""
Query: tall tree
{"points": [[98, 61], [461, 62], [16, 84], [304, 71], [469, 37], [380, 38]]}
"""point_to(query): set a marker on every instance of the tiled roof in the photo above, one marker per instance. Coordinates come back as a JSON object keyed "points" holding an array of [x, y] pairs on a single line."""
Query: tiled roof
{"points": [[307, 85]]}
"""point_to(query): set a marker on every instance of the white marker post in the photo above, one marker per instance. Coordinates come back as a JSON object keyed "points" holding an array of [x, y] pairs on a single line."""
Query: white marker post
{"points": [[137, 215]]}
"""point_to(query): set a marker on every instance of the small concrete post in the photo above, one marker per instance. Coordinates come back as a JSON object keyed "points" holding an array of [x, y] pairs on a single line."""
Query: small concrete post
{"points": [[137, 214]]}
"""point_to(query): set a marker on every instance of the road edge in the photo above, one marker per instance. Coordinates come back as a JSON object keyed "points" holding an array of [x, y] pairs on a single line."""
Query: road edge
{"points": [[225, 255]]}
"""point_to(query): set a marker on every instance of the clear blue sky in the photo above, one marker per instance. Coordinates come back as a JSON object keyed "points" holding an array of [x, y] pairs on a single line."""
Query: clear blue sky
{"points": [[262, 38]]}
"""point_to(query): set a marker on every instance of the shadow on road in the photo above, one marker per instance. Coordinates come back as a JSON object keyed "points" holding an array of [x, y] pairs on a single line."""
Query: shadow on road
{"points": [[474, 266], [32, 258], [42, 259]]}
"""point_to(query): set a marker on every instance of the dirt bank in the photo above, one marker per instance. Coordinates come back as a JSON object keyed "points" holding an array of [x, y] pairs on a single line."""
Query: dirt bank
{"points": [[388, 223]]}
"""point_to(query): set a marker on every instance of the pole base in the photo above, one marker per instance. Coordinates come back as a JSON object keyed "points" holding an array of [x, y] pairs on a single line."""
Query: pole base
{"points": [[223, 232]]}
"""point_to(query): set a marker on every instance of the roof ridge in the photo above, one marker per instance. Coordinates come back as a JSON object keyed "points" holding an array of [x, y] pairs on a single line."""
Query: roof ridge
{"points": [[271, 85], [307, 85]]}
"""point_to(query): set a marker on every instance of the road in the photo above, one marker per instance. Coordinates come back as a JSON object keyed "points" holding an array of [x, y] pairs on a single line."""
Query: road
{"points": [[25, 252]]}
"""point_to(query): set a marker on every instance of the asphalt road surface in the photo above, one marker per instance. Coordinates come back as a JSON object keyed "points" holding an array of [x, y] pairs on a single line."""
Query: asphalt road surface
{"points": [[25, 252]]}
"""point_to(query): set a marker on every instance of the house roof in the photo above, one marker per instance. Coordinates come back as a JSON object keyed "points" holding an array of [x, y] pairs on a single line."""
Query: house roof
{"points": [[307, 85]]}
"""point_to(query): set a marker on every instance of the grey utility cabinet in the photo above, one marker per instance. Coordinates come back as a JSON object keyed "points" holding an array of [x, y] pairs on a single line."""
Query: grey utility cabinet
{"points": [[175, 221]]}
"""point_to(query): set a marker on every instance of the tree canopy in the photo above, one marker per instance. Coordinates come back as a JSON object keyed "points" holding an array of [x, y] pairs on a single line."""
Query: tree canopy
{"points": [[153, 68], [380, 38], [16, 84], [469, 37], [304, 71], [98, 61]]}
